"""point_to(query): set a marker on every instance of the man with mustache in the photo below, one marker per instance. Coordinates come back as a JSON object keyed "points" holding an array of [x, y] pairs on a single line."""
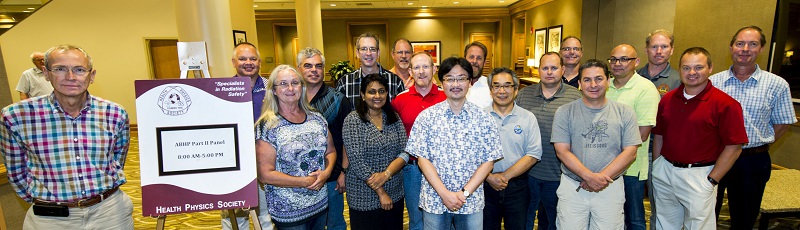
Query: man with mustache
{"points": [[475, 53], [542, 100], [595, 139], [572, 52], [768, 111], [456, 144], [367, 51], [409, 104], [401, 54], [334, 107], [247, 62], [637, 92], [33, 83]]}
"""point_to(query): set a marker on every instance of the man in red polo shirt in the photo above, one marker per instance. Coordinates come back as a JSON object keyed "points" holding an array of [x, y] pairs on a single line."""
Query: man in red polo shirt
{"points": [[408, 105], [698, 136]]}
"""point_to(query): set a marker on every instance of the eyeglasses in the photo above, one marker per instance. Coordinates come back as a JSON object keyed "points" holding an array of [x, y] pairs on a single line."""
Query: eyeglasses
{"points": [[310, 66], [63, 71], [284, 85], [402, 52], [505, 87], [368, 49], [456, 80], [620, 60], [567, 49]]}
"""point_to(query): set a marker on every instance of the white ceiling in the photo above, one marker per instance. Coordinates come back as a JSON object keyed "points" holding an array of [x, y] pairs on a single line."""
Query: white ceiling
{"points": [[267, 5]]}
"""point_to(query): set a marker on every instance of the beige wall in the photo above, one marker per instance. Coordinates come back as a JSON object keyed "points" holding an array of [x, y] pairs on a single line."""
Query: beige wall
{"points": [[608, 23], [112, 32], [561, 12]]}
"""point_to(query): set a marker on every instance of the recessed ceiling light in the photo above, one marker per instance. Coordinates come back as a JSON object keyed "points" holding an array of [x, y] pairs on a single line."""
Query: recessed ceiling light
{"points": [[410, 3], [424, 6], [26, 11], [501, 1], [333, 4], [31, 8], [455, 2], [255, 5]]}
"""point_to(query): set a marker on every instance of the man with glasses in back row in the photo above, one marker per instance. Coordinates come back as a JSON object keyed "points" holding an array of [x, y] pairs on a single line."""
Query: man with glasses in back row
{"points": [[33, 82], [571, 52], [367, 51], [65, 152]]}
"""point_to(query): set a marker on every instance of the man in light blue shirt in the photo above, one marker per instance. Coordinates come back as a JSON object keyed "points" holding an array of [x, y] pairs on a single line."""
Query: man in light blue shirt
{"points": [[508, 195], [768, 111]]}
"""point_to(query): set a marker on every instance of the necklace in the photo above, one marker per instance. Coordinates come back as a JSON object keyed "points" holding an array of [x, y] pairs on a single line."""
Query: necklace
{"points": [[378, 123]]}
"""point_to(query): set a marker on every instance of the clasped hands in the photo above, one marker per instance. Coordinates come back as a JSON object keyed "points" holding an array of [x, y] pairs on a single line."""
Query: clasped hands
{"points": [[315, 180], [595, 182]]}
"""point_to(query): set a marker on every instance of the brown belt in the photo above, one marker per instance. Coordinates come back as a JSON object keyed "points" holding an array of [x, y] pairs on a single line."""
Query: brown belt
{"points": [[755, 150], [85, 202]]}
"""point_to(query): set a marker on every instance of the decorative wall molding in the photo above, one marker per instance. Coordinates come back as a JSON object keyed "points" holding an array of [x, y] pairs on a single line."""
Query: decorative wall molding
{"points": [[391, 13]]}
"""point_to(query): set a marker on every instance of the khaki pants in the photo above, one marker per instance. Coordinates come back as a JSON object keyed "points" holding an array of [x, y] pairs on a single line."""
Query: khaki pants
{"points": [[116, 212]]}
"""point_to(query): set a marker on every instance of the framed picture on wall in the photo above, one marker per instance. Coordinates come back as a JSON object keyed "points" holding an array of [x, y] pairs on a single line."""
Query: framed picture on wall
{"points": [[554, 38], [539, 45], [434, 48], [239, 37]]}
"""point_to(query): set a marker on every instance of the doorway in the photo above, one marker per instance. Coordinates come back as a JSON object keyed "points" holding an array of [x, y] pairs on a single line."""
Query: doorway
{"points": [[164, 58]]}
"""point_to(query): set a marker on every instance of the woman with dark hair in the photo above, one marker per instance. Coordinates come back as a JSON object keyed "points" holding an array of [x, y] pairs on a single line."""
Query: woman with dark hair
{"points": [[374, 139]]}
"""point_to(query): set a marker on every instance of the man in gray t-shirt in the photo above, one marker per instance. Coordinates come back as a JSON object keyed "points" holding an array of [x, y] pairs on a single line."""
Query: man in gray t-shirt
{"points": [[595, 139]]}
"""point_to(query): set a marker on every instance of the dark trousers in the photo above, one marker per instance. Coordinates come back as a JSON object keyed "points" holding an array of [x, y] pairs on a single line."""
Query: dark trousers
{"points": [[745, 183], [510, 204], [378, 218]]}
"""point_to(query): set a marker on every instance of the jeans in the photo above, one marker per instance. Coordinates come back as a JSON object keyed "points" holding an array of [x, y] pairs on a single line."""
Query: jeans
{"points": [[634, 203], [509, 206], [446, 221], [335, 208], [412, 185], [745, 182], [545, 200]]}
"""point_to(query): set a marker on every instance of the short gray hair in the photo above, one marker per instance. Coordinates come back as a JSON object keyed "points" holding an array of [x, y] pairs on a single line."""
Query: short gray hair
{"points": [[62, 49], [501, 70], [309, 52]]}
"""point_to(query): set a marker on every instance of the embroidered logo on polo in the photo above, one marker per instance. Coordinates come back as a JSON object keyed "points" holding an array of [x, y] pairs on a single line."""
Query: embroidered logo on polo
{"points": [[174, 101], [518, 129], [663, 89]]}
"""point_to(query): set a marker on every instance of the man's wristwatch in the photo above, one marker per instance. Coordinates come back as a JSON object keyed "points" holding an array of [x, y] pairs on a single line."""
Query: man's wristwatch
{"points": [[466, 193], [714, 182]]}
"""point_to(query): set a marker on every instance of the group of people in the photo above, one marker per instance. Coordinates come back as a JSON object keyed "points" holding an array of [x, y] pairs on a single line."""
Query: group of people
{"points": [[477, 152]]}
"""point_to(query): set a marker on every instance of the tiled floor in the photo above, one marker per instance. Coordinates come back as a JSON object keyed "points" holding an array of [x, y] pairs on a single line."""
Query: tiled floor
{"points": [[211, 220]]}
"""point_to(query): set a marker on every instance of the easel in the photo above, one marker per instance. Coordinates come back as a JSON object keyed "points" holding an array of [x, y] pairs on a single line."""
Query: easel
{"points": [[192, 57]]}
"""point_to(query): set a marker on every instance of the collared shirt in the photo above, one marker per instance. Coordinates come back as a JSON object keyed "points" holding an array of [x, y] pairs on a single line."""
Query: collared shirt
{"points": [[259, 91], [334, 108], [456, 145], [520, 134], [696, 130], [410, 103], [642, 96], [479, 93], [665, 81], [596, 136], [765, 99], [34, 83], [532, 99], [51, 156], [350, 84]]}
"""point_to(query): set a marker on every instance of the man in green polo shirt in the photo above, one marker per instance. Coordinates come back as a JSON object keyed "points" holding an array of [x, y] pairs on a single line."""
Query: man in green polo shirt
{"points": [[631, 89]]}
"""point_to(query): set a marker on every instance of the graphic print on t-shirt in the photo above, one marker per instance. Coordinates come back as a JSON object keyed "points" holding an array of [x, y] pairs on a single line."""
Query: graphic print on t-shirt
{"points": [[597, 131]]}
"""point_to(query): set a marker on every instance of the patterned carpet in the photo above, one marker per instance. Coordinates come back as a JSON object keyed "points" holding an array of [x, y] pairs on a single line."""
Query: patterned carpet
{"points": [[211, 220]]}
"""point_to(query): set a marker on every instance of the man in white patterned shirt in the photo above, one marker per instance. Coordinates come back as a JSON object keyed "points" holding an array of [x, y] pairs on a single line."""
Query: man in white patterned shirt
{"points": [[456, 144], [768, 111], [367, 51]]}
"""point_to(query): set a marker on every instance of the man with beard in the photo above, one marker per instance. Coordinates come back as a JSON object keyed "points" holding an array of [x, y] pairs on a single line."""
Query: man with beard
{"points": [[572, 52], [423, 94], [542, 100], [401, 54], [768, 111], [367, 51], [247, 62], [478, 93], [334, 107], [452, 194]]}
